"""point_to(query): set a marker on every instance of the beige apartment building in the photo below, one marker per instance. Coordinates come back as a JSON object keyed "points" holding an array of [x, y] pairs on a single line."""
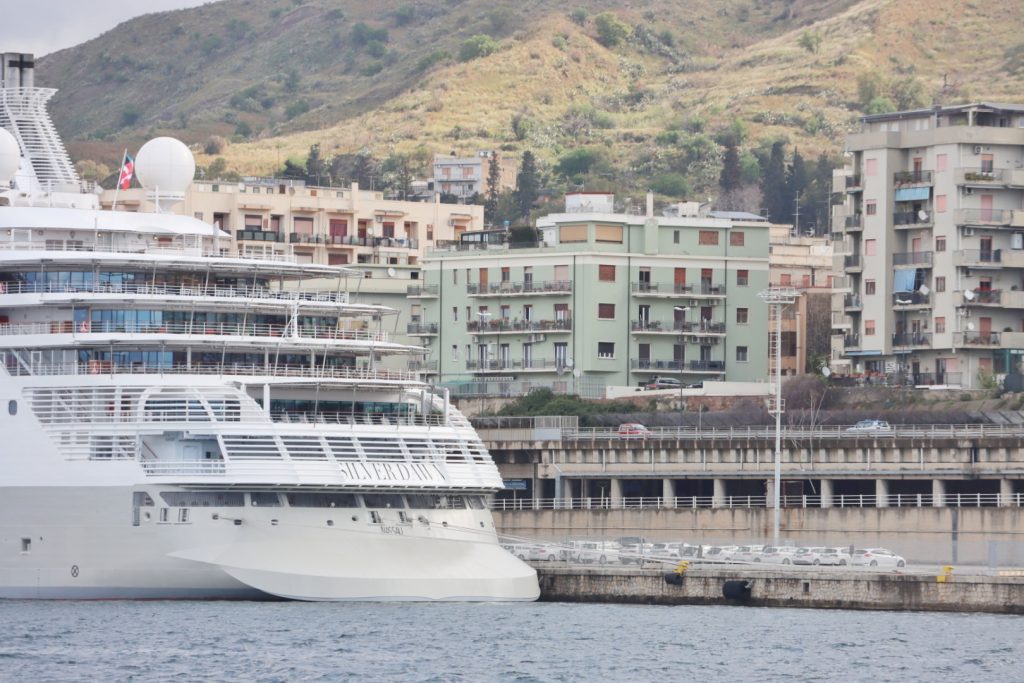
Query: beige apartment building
{"points": [[466, 176], [932, 246]]}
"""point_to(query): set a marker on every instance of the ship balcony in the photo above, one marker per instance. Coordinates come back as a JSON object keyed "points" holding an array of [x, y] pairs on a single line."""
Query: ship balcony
{"points": [[506, 365], [912, 340], [521, 288], [422, 329], [653, 290], [915, 259], [978, 258], [912, 220], [421, 291], [89, 331], [518, 326], [56, 291], [852, 303], [675, 366], [912, 178], [290, 373], [989, 218], [908, 301]]}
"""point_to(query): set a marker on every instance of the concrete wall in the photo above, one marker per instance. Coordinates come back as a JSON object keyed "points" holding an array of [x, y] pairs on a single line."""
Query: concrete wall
{"points": [[922, 535]]}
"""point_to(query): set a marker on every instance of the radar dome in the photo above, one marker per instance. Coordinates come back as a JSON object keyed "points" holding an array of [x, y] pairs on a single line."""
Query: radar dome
{"points": [[10, 156], [165, 165]]}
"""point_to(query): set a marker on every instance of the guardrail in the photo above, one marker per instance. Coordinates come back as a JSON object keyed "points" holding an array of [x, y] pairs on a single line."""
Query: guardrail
{"points": [[261, 293], [208, 328], [99, 367]]}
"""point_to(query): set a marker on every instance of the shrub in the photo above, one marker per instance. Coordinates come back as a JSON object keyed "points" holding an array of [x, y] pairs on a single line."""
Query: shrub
{"points": [[477, 46], [376, 49], [296, 108], [671, 185], [404, 15], [610, 31], [427, 61], [130, 115], [810, 41], [214, 144], [579, 16]]}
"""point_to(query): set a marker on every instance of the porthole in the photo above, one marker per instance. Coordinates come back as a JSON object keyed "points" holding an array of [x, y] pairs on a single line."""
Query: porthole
{"points": [[12, 407]]}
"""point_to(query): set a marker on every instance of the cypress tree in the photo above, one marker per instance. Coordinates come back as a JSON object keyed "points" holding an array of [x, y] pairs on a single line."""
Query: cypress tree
{"points": [[773, 185], [491, 195], [527, 185], [796, 185], [731, 177]]}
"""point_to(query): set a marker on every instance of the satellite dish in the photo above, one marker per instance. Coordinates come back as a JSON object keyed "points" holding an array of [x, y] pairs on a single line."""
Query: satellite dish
{"points": [[924, 290], [826, 371], [576, 372], [970, 327], [568, 362], [922, 215], [969, 295], [391, 272]]}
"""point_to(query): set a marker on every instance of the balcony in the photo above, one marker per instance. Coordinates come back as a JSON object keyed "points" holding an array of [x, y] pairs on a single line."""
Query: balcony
{"points": [[701, 328], [521, 288], [851, 342], [422, 291], [365, 241], [912, 258], [982, 177], [912, 340], [507, 365], [852, 302], [978, 258], [421, 329], [982, 297], [300, 238], [976, 339], [518, 326], [852, 263], [912, 178], [853, 183], [655, 326], [987, 218], [667, 291], [840, 321], [909, 220], [706, 366], [258, 236], [930, 379], [676, 366], [854, 223], [908, 300], [427, 366]]}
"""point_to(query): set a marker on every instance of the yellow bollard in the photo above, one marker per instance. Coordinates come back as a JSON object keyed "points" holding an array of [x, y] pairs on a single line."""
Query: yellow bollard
{"points": [[946, 575], [682, 567]]}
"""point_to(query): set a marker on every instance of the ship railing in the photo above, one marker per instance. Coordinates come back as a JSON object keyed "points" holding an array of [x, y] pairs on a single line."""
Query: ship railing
{"points": [[356, 419], [99, 367], [143, 248], [823, 432], [202, 291], [194, 328]]}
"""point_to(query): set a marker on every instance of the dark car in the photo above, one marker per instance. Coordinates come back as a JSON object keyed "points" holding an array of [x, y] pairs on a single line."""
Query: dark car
{"points": [[664, 383]]}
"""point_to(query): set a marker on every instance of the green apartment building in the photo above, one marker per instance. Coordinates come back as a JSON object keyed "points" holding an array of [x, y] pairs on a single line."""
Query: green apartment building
{"points": [[602, 299]]}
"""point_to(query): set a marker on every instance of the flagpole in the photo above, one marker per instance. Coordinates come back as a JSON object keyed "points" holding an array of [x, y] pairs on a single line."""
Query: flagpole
{"points": [[120, 170]]}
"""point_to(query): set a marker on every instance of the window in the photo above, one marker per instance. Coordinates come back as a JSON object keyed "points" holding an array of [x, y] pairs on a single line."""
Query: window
{"points": [[455, 276], [736, 238], [606, 273], [742, 315], [506, 274], [869, 328], [941, 162], [26, 545], [870, 247], [675, 237], [940, 203], [940, 283], [708, 237], [940, 325], [741, 354], [871, 167], [608, 233], [12, 407], [785, 279], [455, 314], [871, 207], [606, 349], [455, 351], [742, 277], [940, 244], [572, 233], [606, 311], [869, 287]]}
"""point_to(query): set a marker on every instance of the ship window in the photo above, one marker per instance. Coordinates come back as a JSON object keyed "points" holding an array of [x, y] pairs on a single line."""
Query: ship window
{"points": [[12, 407], [423, 501], [183, 515], [323, 500], [404, 518], [383, 500], [203, 499], [26, 545], [375, 517], [475, 502], [264, 500], [163, 514]]}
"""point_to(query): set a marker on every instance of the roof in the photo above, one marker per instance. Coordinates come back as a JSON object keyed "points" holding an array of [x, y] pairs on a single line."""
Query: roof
{"points": [[27, 217], [738, 216], [951, 109]]}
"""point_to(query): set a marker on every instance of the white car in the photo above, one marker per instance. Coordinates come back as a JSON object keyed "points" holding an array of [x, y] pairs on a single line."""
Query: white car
{"points": [[777, 554], [747, 553], [870, 426], [590, 552], [666, 551], [807, 556], [719, 553], [877, 557], [834, 557], [635, 553]]}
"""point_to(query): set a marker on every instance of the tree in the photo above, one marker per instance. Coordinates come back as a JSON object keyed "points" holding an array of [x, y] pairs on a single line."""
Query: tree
{"points": [[579, 161], [527, 184], [316, 171], [491, 193], [610, 31], [398, 175], [796, 184], [773, 184], [731, 177], [870, 85], [364, 168], [476, 46], [810, 41], [909, 93]]}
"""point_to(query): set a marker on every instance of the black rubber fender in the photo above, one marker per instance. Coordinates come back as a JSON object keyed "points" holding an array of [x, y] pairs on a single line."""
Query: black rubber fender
{"points": [[673, 579], [737, 590]]}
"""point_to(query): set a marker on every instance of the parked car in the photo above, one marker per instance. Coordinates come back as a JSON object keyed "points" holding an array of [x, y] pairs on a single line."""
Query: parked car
{"points": [[633, 430], [590, 552], [545, 553], [877, 557], [834, 557], [870, 426], [807, 556], [719, 553], [747, 553], [664, 383], [777, 555], [666, 551], [635, 553]]}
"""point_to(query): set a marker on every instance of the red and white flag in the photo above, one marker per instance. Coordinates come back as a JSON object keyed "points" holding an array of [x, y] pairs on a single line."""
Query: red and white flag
{"points": [[124, 181]]}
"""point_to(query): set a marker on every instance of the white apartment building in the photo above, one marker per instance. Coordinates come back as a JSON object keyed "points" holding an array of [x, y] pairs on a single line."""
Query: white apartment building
{"points": [[931, 243], [465, 177]]}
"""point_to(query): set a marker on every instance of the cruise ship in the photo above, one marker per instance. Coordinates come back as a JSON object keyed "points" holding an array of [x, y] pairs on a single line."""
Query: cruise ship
{"points": [[183, 421]]}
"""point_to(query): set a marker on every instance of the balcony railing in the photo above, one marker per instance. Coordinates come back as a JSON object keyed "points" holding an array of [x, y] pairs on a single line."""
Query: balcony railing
{"points": [[524, 287], [701, 289], [172, 289], [495, 365], [939, 378], [980, 257], [497, 326], [904, 219], [356, 241], [702, 327], [912, 177], [853, 182], [912, 258], [854, 223], [851, 341], [974, 338], [983, 176], [258, 236], [419, 329], [421, 290], [676, 365], [980, 217], [707, 365], [282, 332], [851, 261], [982, 297], [852, 301], [910, 299], [912, 339]]}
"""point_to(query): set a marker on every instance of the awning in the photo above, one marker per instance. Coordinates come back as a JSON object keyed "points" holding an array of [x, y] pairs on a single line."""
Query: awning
{"points": [[912, 194], [903, 281], [862, 353]]}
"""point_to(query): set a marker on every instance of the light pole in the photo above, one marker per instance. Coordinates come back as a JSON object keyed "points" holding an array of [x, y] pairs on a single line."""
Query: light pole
{"points": [[682, 321], [777, 299]]}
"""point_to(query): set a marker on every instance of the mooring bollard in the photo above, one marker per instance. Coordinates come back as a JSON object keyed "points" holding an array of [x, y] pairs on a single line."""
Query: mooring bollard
{"points": [[946, 575]]}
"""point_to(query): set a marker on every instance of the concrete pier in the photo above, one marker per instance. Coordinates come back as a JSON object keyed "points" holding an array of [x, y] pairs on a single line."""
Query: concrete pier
{"points": [[837, 589]]}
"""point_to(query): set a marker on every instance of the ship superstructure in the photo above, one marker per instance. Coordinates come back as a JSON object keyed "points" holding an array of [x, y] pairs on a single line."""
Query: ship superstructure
{"points": [[180, 421]]}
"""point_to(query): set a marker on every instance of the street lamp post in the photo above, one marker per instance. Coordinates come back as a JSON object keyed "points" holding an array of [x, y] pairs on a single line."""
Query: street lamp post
{"points": [[683, 310], [777, 299]]}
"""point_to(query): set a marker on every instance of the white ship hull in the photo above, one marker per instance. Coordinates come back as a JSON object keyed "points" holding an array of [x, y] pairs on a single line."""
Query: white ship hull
{"points": [[82, 545]]}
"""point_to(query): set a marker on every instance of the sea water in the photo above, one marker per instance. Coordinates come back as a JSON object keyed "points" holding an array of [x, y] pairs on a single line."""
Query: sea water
{"points": [[294, 641]]}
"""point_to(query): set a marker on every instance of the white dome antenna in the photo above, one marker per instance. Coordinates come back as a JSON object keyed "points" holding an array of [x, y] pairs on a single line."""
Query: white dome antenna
{"points": [[10, 157], [165, 168]]}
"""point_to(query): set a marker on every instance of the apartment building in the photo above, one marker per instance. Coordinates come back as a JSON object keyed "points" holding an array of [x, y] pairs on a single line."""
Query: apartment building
{"points": [[601, 299], [466, 177], [932, 235]]}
